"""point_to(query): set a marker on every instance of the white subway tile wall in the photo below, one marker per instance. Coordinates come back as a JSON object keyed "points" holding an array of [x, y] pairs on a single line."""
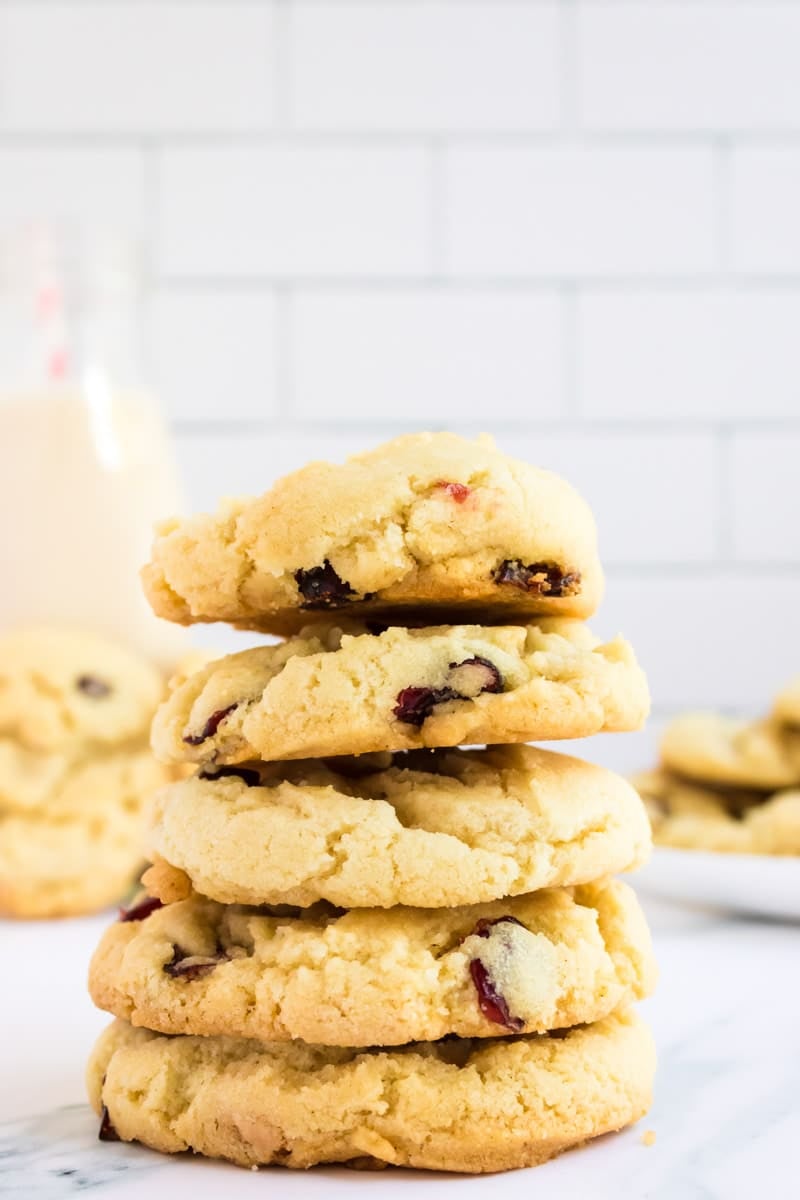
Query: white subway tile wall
{"points": [[571, 222], [395, 354], [572, 212]]}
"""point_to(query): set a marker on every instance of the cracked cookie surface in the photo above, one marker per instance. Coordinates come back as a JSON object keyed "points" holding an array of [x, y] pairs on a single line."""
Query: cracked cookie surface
{"points": [[424, 522], [457, 1105], [377, 977], [431, 829], [68, 691], [332, 691], [714, 749]]}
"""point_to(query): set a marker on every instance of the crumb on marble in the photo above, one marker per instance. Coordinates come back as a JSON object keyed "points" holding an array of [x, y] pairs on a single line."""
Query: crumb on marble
{"points": [[649, 1137]]}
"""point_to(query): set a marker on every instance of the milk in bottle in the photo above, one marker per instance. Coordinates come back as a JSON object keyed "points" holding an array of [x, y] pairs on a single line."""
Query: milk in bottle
{"points": [[85, 465]]}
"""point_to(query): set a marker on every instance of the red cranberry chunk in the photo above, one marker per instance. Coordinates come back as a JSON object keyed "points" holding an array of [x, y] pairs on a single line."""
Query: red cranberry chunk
{"points": [[487, 924], [490, 1001], [142, 910], [456, 491], [211, 726], [465, 681], [192, 966], [93, 686], [415, 704], [248, 774], [541, 578], [321, 587], [473, 676], [107, 1132]]}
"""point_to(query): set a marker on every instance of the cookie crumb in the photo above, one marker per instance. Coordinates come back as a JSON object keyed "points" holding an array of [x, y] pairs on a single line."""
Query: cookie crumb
{"points": [[649, 1137]]}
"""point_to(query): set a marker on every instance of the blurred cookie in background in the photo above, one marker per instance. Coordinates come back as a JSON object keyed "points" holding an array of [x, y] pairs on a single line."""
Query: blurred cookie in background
{"points": [[80, 847], [724, 751], [728, 785], [692, 817], [76, 770], [786, 708]]}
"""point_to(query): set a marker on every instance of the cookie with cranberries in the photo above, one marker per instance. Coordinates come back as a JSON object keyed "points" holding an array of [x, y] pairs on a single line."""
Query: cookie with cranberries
{"points": [[428, 522], [338, 688], [371, 976]]}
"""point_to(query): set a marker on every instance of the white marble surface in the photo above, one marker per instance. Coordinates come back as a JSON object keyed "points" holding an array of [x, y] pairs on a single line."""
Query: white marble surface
{"points": [[726, 1114]]}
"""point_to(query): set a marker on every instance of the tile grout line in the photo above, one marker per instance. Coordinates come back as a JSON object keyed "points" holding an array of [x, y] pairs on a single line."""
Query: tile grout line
{"points": [[151, 179], [437, 212], [282, 66], [724, 530], [287, 423], [569, 75], [651, 282], [284, 355], [570, 351], [722, 184], [500, 137]]}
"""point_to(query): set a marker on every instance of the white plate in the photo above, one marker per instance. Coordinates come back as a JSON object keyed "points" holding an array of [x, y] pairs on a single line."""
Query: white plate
{"points": [[759, 884]]}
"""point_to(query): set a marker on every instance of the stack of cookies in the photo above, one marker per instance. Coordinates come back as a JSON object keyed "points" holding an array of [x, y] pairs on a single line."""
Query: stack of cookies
{"points": [[76, 770], [729, 785], [362, 943]]}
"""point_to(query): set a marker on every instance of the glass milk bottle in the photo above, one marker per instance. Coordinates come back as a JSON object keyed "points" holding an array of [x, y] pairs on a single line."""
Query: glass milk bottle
{"points": [[85, 465]]}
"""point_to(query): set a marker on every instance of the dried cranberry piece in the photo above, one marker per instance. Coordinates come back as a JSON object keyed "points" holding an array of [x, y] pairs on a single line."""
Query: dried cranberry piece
{"points": [[487, 924], [107, 1132], [540, 578], [415, 704], [465, 681], [211, 726], [142, 910], [456, 491], [249, 776], [93, 687], [473, 676], [193, 966], [491, 1002], [321, 587]]}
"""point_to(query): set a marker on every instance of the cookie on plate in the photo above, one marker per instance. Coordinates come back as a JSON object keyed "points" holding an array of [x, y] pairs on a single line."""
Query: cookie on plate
{"points": [[427, 829], [62, 690], [79, 846], [331, 691], [786, 708], [733, 821], [377, 977], [453, 1105], [429, 521], [713, 749], [774, 826]]}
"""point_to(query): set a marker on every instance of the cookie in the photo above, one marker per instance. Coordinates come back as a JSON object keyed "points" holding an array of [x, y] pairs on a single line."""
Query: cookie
{"points": [[29, 778], [80, 846], [732, 821], [429, 521], [786, 709], [68, 691], [713, 749], [332, 692], [34, 782], [774, 826], [433, 829], [377, 977], [456, 1105]]}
